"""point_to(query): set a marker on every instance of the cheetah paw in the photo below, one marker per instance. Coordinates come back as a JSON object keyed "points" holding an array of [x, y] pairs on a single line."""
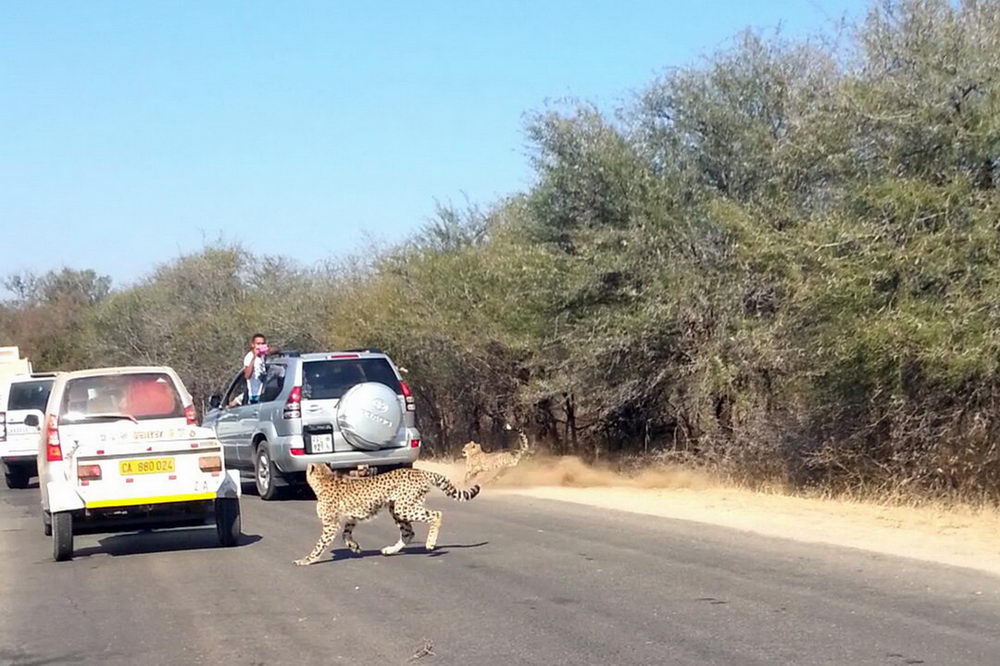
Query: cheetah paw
{"points": [[303, 562]]}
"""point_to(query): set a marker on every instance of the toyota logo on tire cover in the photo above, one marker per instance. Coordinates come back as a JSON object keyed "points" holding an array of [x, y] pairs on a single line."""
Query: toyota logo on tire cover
{"points": [[379, 405]]}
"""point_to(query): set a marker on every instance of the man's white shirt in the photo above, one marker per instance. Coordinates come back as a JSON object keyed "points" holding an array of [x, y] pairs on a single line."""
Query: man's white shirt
{"points": [[255, 383]]}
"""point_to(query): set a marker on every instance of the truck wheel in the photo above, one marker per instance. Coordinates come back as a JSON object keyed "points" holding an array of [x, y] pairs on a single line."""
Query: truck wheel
{"points": [[16, 476], [265, 474], [227, 521], [62, 536], [47, 523]]}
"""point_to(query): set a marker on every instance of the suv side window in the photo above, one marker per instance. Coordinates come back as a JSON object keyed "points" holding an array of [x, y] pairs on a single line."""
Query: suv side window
{"points": [[236, 393], [274, 381]]}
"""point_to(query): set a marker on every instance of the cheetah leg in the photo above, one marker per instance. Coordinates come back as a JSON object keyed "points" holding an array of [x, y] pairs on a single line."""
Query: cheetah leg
{"points": [[405, 535], [434, 518], [325, 538], [422, 515], [349, 537], [415, 511]]}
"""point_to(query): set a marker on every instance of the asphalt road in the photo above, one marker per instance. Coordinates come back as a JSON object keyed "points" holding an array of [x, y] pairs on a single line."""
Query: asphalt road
{"points": [[515, 581]]}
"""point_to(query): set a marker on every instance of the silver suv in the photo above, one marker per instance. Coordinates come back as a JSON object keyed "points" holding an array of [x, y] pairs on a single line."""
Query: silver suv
{"points": [[350, 409]]}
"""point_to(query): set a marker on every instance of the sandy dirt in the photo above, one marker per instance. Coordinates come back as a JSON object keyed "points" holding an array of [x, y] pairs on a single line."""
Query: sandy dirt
{"points": [[958, 537]]}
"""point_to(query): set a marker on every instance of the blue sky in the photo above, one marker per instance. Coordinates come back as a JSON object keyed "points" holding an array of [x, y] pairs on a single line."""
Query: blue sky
{"points": [[131, 132]]}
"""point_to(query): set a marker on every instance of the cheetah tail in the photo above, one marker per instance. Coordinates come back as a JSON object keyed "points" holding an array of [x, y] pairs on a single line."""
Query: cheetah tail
{"points": [[449, 489]]}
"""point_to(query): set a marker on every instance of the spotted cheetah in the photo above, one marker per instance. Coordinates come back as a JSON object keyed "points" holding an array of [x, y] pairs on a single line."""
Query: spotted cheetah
{"points": [[354, 500], [479, 462]]}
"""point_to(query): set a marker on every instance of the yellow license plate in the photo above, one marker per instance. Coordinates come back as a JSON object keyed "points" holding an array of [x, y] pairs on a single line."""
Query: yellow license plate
{"points": [[147, 466]]}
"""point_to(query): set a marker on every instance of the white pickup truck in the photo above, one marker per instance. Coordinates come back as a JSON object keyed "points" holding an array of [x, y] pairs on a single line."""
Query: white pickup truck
{"points": [[120, 449]]}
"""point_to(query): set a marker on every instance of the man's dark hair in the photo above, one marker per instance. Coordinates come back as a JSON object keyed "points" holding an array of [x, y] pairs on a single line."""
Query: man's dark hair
{"points": [[257, 335]]}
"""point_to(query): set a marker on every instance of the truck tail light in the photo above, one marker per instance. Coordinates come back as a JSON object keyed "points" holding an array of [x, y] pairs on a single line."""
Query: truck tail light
{"points": [[53, 447], [88, 472], [210, 463]]}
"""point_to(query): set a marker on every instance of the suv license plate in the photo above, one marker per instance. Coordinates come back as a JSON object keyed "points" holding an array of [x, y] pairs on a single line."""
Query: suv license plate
{"points": [[321, 443], [147, 466]]}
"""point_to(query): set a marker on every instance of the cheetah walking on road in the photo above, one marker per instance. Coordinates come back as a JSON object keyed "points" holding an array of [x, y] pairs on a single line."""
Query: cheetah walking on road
{"points": [[353, 500]]}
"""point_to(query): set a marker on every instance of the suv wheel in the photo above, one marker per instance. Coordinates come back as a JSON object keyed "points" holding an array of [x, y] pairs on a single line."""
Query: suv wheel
{"points": [[62, 536], [265, 473]]}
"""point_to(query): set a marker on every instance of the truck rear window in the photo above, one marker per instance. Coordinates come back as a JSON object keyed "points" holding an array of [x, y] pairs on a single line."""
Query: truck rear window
{"points": [[29, 395], [323, 380], [141, 396]]}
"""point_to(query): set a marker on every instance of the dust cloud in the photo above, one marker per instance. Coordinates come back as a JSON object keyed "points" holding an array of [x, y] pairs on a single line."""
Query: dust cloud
{"points": [[572, 472]]}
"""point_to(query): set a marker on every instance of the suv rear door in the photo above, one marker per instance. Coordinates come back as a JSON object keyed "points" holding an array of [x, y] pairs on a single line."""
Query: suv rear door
{"points": [[325, 381], [24, 397]]}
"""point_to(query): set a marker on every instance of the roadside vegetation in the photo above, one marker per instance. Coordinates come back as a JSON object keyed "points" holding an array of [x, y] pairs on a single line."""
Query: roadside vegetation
{"points": [[781, 264]]}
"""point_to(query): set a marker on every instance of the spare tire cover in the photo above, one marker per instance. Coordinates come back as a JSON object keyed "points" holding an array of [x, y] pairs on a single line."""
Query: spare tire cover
{"points": [[369, 416]]}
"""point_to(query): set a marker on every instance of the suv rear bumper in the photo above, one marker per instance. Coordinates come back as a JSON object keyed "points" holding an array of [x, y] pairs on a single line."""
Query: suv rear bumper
{"points": [[289, 464]]}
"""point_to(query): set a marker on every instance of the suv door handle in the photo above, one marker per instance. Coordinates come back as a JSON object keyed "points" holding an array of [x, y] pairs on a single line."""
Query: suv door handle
{"points": [[255, 413]]}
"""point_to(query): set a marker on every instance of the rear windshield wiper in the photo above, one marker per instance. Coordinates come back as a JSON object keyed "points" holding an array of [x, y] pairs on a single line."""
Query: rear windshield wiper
{"points": [[114, 417]]}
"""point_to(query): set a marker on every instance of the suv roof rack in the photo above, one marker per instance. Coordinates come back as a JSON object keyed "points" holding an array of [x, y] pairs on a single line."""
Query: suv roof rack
{"points": [[290, 353]]}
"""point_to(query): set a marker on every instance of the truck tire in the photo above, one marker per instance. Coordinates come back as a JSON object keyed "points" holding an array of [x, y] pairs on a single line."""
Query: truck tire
{"points": [[62, 536], [16, 476], [227, 521]]}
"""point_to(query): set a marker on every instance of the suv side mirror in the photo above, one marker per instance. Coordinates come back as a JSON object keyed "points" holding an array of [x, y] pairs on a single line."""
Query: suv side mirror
{"points": [[215, 401], [31, 421]]}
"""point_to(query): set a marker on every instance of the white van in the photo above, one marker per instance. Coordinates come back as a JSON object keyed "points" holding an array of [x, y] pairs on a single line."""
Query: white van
{"points": [[120, 449], [22, 396]]}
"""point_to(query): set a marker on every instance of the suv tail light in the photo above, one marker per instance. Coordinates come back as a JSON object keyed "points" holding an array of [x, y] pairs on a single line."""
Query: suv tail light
{"points": [[3, 426], [190, 415], [411, 405], [53, 448], [293, 406], [88, 472]]}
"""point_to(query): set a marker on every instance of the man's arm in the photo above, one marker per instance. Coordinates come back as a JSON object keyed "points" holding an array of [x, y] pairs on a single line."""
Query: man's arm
{"points": [[248, 365]]}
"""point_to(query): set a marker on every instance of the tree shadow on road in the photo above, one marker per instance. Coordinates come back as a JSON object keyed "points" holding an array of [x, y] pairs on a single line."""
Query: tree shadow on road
{"points": [[161, 541]]}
